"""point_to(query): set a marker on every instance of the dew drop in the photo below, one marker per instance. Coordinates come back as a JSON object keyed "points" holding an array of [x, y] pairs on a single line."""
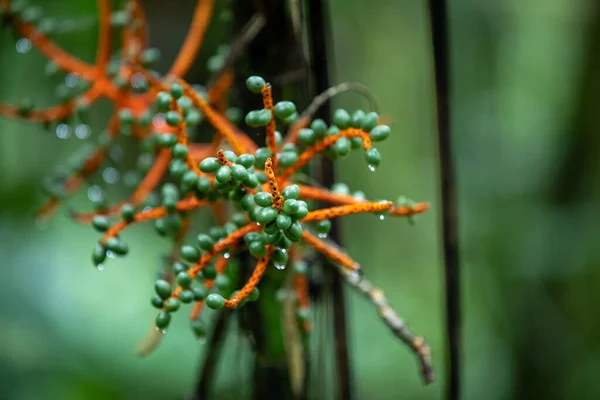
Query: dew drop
{"points": [[202, 340], [100, 267], [163, 331], [110, 175], [110, 254], [371, 168], [226, 255], [323, 235], [63, 131], [280, 266], [23, 46], [71, 80], [82, 131], [95, 193], [381, 217]]}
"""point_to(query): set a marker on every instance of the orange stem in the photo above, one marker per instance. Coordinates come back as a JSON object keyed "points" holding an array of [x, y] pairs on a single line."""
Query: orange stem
{"points": [[267, 96], [330, 252], [277, 200], [255, 278], [341, 211]]}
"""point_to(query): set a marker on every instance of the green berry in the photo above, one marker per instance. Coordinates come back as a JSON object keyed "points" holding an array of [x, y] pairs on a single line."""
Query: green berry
{"points": [[373, 157], [163, 100], [149, 56], [186, 296], [205, 242], [223, 174], [271, 228], [189, 253], [251, 237], [290, 206], [285, 243], [266, 215], [193, 117], [162, 288], [288, 158], [294, 232], [203, 184], [222, 282], [340, 188], [324, 226], [251, 181], [185, 103], [284, 109], [230, 155], [279, 257], [215, 301], [156, 302], [99, 254], [162, 319], [172, 304], [166, 140], [380, 132], [176, 90], [209, 164], [245, 160], [341, 118], [254, 295], [271, 238], [261, 156], [342, 146], [199, 328], [358, 117], [234, 114], [255, 84], [307, 136], [180, 151], [128, 212], [179, 267], [125, 116], [291, 192], [184, 280], [263, 199], [100, 223], [173, 118], [258, 118], [356, 142], [319, 127], [247, 202], [199, 293], [261, 177], [370, 121], [283, 221], [291, 119], [301, 213], [238, 172], [189, 178], [257, 249]]}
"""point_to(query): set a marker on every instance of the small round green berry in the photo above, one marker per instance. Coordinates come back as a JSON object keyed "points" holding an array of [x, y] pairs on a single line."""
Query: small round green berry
{"points": [[301, 213], [179, 268], [172, 304], [128, 212], [271, 238], [358, 118], [234, 114], [278, 137], [285, 243], [341, 118], [340, 188], [189, 253], [184, 280], [222, 282], [193, 117], [251, 237], [342, 146], [319, 127], [166, 140], [254, 295], [172, 118], [156, 301], [238, 172], [117, 246], [291, 192], [294, 232], [186, 296], [251, 181], [291, 119], [257, 249], [162, 288], [380, 132], [284, 109], [247, 202], [199, 328], [307, 136], [205, 242], [257, 118], [199, 293], [216, 232], [253, 213], [149, 56], [290, 206], [323, 227], [162, 319], [99, 254], [263, 199], [288, 158], [189, 178], [271, 228], [100, 223], [176, 90], [245, 160], [163, 100], [223, 174], [356, 142], [266, 215], [203, 184], [373, 157], [283, 221], [261, 177], [370, 121], [185, 103], [261, 156], [215, 301], [209, 164], [255, 84], [279, 257], [180, 150]]}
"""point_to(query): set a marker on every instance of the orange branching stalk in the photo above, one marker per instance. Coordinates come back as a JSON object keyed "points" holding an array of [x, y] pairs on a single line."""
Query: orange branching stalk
{"points": [[254, 192]]}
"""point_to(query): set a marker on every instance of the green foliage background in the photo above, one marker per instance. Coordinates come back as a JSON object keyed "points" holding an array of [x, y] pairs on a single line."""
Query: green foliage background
{"points": [[525, 97]]}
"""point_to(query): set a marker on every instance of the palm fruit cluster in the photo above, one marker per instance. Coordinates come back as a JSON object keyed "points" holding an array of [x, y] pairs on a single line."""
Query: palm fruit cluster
{"points": [[257, 193]]}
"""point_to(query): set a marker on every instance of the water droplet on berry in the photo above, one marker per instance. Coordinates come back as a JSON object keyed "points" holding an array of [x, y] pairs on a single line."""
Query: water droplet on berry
{"points": [[372, 168], [226, 255], [202, 340], [63, 131], [100, 267], [71, 80], [280, 266], [110, 254], [323, 235], [23, 45], [110, 175]]}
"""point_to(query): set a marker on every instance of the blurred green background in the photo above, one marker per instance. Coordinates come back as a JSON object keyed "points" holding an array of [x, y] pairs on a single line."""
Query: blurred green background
{"points": [[526, 84]]}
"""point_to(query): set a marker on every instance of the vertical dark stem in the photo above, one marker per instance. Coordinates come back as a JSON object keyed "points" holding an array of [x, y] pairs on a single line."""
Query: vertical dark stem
{"points": [[318, 34], [439, 32], [214, 347]]}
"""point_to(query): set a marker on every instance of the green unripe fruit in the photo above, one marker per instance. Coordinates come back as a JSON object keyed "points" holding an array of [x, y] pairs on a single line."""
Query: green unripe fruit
{"points": [[100, 223], [216, 232], [162, 319], [323, 227], [205, 242], [245, 160], [179, 268], [199, 328], [283, 221], [215, 301], [358, 117], [251, 237], [234, 114], [258, 118], [257, 249], [261, 177], [209, 164], [163, 100], [342, 146], [271, 228], [247, 202], [185, 103], [255, 84], [254, 295], [285, 243], [184, 280], [271, 238], [251, 181], [99, 254], [260, 157], [230, 156], [253, 213], [193, 117], [373, 157], [263, 199], [291, 119], [189, 178], [279, 257], [301, 213], [125, 116], [307, 136], [239, 219], [288, 158], [356, 142], [291, 192], [199, 293], [128, 212], [266, 215], [172, 118], [222, 282], [156, 302], [238, 172], [341, 118], [162, 288], [380, 132], [180, 150], [229, 228], [294, 232], [149, 56], [278, 137], [117, 246], [223, 174], [203, 184], [166, 140], [189, 253], [176, 90], [210, 272], [284, 109], [172, 304], [177, 168], [290, 206], [370, 121], [319, 127], [186, 296]]}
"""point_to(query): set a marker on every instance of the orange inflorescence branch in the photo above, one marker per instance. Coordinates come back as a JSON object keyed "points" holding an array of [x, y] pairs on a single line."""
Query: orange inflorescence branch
{"points": [[341, 211], [255, 278], [273, 186], [267, 96], [332, 253]]}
